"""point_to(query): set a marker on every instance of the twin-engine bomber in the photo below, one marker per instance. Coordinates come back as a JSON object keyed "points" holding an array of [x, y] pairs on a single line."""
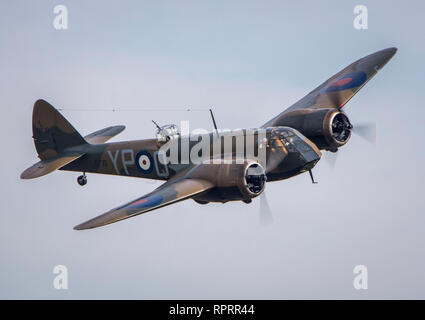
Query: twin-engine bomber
{"points": [[287, 145]]}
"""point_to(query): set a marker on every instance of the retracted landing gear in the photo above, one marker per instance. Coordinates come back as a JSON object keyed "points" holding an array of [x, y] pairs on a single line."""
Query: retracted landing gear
{"points": [[82, 180]]}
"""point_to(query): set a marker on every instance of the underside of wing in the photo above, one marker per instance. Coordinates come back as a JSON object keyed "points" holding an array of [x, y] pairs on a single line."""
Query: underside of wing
{"points": [[166, 194], [103, 135], [339, 89]]}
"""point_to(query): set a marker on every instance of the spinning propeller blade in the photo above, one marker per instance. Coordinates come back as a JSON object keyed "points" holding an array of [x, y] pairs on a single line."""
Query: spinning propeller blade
{"points": [[266, 217], [367, 131]]}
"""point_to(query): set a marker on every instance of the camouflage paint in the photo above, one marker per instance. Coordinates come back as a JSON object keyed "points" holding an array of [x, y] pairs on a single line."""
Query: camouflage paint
{"points": [[288, 151]]}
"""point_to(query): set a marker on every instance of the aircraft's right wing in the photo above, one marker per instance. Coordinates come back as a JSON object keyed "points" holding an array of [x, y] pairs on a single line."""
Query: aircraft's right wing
{"points": [[168, 193]]}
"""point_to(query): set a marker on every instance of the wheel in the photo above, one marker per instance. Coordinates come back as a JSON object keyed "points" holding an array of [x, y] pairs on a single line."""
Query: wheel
{"points": [[82, 180], [201, 201]]}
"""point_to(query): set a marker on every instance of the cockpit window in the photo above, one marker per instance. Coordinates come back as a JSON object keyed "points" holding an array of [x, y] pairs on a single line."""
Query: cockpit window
{"points": [[292, 141], [167, 132]]}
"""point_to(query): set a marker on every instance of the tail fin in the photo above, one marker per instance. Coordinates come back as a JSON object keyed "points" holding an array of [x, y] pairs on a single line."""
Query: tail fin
{"points": [[55, 140], [52, 133]]}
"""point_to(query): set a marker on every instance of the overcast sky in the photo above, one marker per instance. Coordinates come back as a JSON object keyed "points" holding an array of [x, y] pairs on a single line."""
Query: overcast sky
{"points": [[248, 60]]}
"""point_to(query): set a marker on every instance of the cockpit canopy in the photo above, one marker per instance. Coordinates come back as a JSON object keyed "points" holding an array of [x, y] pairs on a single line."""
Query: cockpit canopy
{"points": [[284, 135], [290, 140], [167, 133]]}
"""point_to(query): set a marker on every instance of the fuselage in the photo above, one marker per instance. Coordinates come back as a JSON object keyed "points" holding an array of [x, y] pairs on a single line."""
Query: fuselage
{"points": [[148, 158]]}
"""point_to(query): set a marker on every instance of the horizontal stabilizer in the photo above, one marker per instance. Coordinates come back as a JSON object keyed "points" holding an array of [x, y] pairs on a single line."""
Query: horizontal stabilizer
{"points": [[44, 167], [103, 135]]}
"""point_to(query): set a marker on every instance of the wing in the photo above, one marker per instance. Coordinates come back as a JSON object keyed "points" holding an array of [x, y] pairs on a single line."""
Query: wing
{"points": [[103, 135], [166, 194], [339, 89]]}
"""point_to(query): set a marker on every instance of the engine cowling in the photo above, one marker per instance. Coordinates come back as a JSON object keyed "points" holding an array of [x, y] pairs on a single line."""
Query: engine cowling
{"points": [[329, 129], [233, 181]]}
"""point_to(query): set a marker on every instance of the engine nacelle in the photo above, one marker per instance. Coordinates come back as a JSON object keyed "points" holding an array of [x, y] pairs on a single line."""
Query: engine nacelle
{"points": [[233, 181], [329, 129]]}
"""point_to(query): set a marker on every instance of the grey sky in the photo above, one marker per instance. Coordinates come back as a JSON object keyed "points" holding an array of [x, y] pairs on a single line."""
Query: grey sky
{"points": [[249, 60]]}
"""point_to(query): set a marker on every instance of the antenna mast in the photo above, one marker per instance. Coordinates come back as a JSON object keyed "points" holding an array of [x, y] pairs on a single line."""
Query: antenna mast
{"points": [[215, 125]]}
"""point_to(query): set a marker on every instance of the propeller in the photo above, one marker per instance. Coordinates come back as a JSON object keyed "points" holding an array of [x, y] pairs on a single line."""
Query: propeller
{"points": [[366, 130], [266, 217], [274, 158]]}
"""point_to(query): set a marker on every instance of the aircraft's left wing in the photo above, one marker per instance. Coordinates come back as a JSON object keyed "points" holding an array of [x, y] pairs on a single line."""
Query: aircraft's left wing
{"points": [[166, 194], [339, 89]]}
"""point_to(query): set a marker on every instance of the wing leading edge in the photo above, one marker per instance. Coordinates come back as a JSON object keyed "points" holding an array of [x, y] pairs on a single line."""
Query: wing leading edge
{"points": [[166, 194]]}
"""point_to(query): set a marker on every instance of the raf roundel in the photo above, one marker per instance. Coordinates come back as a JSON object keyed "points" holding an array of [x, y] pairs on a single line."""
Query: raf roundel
{"points": [[347, 81], [144, 161]]}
